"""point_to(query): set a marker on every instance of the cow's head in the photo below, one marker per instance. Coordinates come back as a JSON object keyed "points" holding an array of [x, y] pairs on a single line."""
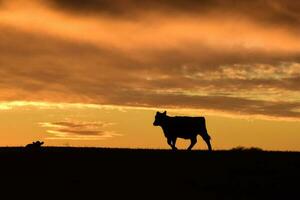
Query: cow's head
{"points": [[159, 118], [38, 143]]}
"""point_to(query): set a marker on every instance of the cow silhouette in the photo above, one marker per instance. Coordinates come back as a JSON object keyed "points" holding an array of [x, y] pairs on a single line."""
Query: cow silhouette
{"points": [[34, 145], [182, 127]]}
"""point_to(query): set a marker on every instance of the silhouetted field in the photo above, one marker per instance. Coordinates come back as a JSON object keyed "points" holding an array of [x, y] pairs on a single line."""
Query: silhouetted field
{"points": [[149, 174]]}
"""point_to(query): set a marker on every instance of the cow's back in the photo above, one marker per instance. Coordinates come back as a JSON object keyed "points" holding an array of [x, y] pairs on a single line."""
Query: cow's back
{"points": [[182, 125]]}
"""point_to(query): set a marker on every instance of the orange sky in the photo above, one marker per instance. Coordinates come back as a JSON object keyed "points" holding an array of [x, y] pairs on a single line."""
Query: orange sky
{"points": [[94, 72]]}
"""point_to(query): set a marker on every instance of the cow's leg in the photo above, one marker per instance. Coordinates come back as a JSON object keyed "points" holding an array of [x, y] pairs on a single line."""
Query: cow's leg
{"points": [[193, 142], [208, 144], [206, 138], [174, 143]]}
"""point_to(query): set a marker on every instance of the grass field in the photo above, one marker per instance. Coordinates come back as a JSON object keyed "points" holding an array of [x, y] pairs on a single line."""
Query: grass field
{"points": [[155, 174]]}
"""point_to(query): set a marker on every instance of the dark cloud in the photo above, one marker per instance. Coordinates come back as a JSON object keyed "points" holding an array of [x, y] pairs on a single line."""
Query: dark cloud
{"points": [[120, 7], [234, 105], [175, 63], [79, 125], [206, 59], [131, 7], [59, 70], [77, 130], [275, 12]]}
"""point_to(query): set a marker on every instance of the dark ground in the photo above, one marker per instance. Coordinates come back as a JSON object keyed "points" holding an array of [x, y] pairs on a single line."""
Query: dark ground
{"points": [[95, 173]]}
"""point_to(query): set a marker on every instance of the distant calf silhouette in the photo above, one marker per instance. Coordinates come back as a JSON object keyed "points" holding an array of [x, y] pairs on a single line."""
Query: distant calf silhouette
{"points": [[182, 127], [34, 145]]}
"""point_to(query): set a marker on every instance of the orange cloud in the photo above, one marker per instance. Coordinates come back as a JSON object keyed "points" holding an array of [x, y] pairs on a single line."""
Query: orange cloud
{"points": [[215, 55], [71, 130]]}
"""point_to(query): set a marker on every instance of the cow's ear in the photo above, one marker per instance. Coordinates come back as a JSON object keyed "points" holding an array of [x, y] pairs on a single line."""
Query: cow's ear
{"points": [[165, 113]]}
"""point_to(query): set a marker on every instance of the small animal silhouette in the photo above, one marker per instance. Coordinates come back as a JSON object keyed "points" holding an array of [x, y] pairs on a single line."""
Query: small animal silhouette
{"points": [[182, 127], [34, 145]]}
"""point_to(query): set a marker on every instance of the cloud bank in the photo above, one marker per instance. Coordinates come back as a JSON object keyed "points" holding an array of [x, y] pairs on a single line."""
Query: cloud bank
{"points": [[75, 130], [226, 56]]}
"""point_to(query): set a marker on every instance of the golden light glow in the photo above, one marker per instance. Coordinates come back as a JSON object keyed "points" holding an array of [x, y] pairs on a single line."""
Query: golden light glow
{"points": [[34, 17]]}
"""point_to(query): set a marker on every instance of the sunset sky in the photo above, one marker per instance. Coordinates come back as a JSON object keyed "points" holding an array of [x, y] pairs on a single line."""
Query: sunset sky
{"points": [[94, 72]]}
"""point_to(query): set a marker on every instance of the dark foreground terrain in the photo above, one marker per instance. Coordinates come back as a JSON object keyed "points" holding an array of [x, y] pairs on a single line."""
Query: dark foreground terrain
{"points": [[96, 173]]}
